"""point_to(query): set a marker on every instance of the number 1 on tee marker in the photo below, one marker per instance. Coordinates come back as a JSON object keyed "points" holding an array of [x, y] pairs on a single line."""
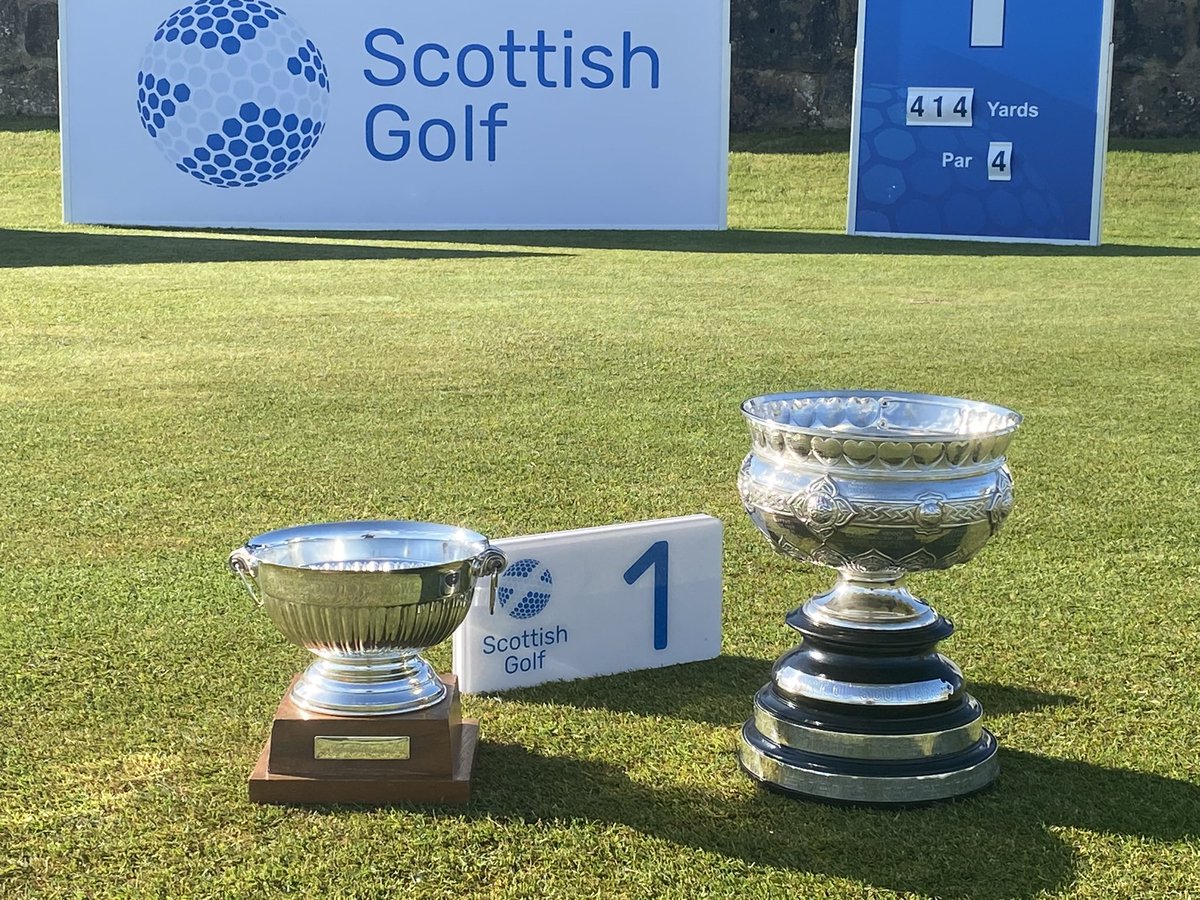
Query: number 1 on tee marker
{"points": [[656, 557]]}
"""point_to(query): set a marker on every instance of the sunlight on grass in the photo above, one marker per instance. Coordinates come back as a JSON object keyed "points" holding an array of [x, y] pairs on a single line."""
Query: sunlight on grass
{"points": [[166, 394]]}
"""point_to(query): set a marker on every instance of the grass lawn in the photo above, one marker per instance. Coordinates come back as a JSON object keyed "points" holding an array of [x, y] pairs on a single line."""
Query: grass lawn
{"points": [[165, 395]]}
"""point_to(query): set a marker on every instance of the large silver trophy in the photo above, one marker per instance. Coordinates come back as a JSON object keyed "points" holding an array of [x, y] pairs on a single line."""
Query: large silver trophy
{"points": [[370, 720], [875, 485]]}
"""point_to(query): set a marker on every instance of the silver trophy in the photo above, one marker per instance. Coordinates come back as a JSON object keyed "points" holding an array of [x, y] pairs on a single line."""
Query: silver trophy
{"points": [[875, 485], [369, 721], [366, 598]]}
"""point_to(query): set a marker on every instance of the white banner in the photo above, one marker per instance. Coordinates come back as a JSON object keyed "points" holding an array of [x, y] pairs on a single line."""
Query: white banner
{"points": [[383, 115]]}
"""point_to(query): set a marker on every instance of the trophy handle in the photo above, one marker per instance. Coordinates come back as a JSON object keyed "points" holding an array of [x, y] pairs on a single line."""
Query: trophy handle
{"points": [[490, 562], [245, 567]]}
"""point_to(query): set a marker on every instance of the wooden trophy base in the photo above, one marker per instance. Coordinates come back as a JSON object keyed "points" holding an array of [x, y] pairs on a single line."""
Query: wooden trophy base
{"points": [[420, 757]]}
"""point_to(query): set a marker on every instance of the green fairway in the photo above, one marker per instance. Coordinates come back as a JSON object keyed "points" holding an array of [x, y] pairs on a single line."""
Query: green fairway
{"points": [[164, 395]]}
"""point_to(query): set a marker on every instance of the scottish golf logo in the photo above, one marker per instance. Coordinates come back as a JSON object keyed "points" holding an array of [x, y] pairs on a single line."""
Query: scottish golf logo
{"points": [[524, 588], [233, 93]]}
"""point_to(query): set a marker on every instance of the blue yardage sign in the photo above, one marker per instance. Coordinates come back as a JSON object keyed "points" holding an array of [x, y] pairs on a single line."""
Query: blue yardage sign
{"points": [[981, 119]]}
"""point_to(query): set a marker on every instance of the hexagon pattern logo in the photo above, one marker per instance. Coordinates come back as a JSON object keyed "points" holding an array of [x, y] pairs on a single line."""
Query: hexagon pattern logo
{"points": [[233, 92], [524, 588]]}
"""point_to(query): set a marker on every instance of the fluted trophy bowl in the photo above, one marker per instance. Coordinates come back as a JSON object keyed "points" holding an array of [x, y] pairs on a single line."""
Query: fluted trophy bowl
{"points": [[876, 485], [366, 598]]}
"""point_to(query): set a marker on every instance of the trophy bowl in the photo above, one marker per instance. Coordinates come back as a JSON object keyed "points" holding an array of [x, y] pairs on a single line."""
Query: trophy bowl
{"points": [[876, 485], [366, 598]]}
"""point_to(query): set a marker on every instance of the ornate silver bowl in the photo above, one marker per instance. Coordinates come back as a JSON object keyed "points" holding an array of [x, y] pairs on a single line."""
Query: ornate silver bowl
{"points": [[366, 598], [876, 485]]}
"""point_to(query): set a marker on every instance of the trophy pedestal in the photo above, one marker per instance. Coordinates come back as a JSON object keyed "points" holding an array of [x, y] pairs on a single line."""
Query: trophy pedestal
{"points": [[418, 757], [868, 716]]}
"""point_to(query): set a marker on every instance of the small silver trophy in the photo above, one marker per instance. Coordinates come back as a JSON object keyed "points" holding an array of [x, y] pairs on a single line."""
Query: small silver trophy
{"points": [[875, 485], [369, 721]]}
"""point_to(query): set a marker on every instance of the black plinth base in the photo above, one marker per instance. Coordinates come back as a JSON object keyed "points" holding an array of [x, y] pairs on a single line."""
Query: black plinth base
{"points": [[883, 782], [861, 717]]}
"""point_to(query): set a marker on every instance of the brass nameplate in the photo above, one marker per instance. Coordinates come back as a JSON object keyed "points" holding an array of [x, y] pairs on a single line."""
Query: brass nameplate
{"points": [[338, 747]]}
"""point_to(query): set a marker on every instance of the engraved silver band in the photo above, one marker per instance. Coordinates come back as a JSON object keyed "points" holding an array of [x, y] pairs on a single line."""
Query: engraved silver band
{"points": [[849, 745], [864, 788], [794, 683]]}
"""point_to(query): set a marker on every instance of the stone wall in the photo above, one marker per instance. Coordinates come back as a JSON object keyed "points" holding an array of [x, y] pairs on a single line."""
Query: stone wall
{"points": [[793, 63], [28, 57]]}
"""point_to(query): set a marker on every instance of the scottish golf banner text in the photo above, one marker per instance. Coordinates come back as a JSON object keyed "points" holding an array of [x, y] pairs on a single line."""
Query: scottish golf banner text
{"points": [[573, 604], [373, 114], [981, 119]]}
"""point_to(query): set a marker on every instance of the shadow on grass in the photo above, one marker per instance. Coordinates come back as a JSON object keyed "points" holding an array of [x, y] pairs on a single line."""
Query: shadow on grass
{"points": [[737, 240], [28, 123], [22, 249], [720, 692], [1003, 700], [801, 143], [790, 142], [838, 141], [1155, 145], [716, 691], [997, 844]]}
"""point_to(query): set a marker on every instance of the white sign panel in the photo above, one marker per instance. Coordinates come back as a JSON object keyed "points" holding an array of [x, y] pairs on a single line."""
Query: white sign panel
{"points": [[574, 604], [376, 114]]}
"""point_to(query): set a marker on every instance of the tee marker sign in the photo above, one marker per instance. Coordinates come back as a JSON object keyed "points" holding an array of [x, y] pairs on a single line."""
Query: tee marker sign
{"points": [[574, 604]]}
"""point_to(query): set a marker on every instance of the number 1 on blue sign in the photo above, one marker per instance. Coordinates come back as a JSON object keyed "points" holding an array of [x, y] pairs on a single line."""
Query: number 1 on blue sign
{"points": [[657, 558]]}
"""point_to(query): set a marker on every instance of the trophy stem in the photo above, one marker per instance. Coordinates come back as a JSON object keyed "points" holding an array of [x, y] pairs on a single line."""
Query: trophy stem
{"points": [[368, 684], [865, 710], [860, 601]]}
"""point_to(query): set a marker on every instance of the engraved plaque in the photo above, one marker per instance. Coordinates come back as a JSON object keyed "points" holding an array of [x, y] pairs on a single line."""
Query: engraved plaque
{"points": [[347, 747]]}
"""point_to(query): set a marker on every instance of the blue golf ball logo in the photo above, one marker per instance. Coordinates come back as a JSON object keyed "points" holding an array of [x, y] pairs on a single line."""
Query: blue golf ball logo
{"points": [[524, 588], [233, 92]]}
